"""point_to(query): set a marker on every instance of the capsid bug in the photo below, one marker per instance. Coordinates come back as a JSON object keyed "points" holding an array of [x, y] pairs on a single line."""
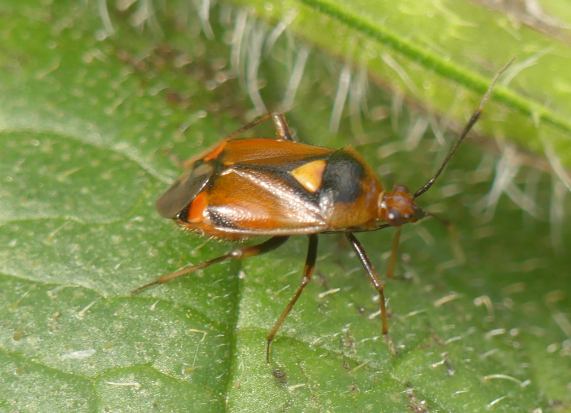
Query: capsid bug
{"points": [[278, 187]]}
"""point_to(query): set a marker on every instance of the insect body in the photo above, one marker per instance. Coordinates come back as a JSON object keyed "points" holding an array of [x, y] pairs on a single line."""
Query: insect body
{"points": [[253, 187]]}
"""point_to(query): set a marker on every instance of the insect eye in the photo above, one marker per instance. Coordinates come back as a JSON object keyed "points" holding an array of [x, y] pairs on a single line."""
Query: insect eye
{"points": [[394, 217]]}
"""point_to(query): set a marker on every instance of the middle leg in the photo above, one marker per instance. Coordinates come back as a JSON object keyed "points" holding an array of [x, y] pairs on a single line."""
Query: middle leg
{"points": [[394, 253], [377, 283], [307, 273]]}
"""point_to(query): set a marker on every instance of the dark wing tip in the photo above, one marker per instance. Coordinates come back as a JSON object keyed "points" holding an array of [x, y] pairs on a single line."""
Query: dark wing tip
{"points": [[184, 190]]}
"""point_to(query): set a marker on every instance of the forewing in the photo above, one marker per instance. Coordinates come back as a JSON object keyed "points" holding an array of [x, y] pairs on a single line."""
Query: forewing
{"points": [[251, 201], [264, 151]]}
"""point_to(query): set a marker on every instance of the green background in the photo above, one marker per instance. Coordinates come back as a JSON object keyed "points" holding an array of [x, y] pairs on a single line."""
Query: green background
{"points": [[101, 101]]}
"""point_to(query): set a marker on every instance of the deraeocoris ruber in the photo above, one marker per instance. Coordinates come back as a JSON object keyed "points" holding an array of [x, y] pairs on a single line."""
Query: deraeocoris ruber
{"points": [[277, 187]]}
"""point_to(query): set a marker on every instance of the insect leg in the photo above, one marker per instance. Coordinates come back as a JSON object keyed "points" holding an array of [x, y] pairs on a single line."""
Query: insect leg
{"points": [[307, 273], [453, 235], [238, 253], [260, 119], [375, 280], [282, 128], [282, 132], [280, 123], [394, 253]]}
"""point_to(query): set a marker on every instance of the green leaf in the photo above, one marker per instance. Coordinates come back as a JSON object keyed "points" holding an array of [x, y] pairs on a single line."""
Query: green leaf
{"points": [[99, 104]]}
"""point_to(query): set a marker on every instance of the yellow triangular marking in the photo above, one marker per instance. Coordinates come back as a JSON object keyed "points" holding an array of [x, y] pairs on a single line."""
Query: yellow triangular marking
{"points": [[310, 175]]}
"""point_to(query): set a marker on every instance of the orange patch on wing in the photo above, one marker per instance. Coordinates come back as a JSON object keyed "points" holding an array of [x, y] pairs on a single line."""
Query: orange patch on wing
{"points": [[197, 207], [213, 154], [310, 174]]}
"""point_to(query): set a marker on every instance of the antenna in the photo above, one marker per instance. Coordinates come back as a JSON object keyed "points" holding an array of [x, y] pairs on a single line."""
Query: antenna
{"points": [[473, 119]]}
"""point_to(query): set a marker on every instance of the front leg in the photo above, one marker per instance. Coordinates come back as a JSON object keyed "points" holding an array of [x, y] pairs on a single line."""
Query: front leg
{"points": [[377, 283]]}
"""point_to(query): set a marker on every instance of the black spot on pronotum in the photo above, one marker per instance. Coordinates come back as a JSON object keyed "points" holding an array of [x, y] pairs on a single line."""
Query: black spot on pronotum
{"points": [[342, 177]]}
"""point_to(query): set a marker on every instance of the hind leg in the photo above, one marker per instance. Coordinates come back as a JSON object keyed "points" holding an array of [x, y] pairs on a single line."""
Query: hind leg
{"points": [[239, 253]]}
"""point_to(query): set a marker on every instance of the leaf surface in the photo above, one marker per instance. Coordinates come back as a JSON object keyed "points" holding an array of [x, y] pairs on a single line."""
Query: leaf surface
{"points": [[98, 107]]}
